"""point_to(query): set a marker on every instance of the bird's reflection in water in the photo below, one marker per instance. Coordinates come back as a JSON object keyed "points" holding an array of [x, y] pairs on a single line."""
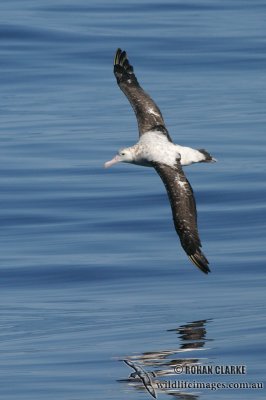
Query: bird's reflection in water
{"points": [[162, 364], [192, 335]]}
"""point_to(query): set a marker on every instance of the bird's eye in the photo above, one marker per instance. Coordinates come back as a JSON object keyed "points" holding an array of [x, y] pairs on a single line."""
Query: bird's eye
{"points": [[122, 154]]}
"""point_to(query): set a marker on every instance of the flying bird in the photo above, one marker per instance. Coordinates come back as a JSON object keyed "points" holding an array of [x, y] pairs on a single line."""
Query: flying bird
{"points": [[143, 376], [156, 149]]}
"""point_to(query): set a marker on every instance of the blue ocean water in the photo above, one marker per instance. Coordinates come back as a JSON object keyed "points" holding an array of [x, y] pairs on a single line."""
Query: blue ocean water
{"points": [[91, 270]]}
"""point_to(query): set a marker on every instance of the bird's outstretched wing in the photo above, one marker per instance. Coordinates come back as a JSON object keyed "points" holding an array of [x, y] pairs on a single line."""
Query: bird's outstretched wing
{"points": [[144, 377], [184, 211], [148, 115]]}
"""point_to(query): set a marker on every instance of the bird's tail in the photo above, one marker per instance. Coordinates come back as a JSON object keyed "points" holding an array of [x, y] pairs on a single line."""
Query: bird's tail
{"points": [[208, 156], [200, 261]]}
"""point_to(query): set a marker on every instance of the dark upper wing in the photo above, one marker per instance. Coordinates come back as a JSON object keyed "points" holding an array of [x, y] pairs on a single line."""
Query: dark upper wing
{"points": [[184, 211], [148, 115]]}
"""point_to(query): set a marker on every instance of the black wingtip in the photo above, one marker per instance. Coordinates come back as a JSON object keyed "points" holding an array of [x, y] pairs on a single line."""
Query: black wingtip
{"points": [[200, 261], [120, 57], [122, 69]]}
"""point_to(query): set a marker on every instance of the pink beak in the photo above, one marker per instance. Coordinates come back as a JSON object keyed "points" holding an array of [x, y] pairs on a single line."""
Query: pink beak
{"points": [[115, 160]]}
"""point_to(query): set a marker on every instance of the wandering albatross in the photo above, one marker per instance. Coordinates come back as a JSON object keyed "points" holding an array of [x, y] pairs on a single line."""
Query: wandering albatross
{"points": [[156, 149]]}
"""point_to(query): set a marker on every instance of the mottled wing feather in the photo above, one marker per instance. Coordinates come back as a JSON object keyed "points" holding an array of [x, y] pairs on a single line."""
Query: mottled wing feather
{"points": [[184, 212], [148, 115]]}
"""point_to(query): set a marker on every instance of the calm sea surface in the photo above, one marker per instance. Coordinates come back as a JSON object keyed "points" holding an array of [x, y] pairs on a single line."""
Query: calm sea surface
{"points": [[91, 269]]}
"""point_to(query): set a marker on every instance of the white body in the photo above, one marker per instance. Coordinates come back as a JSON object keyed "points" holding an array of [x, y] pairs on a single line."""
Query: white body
{"points": [[155, 147]]}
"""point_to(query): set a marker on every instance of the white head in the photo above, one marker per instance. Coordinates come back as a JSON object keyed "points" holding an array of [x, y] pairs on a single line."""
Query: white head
{"points": [[124, 155]]}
